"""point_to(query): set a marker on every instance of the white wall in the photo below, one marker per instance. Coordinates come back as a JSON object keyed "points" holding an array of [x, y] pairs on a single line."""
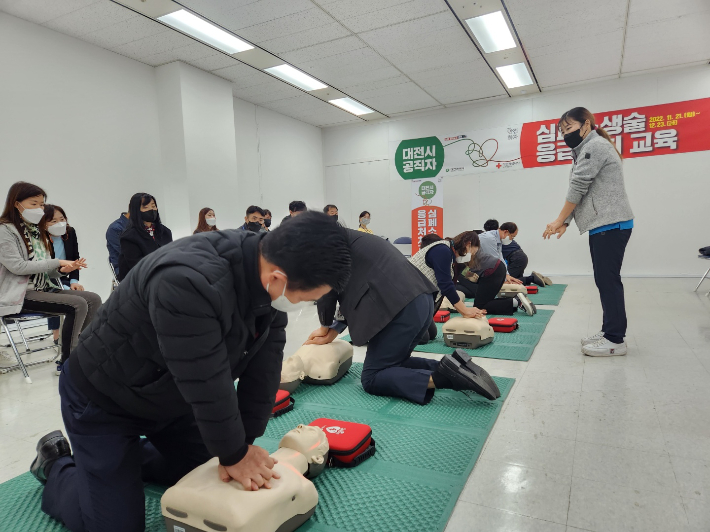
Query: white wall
{"points": [[279, 160], [82, 123], [668, 193]]}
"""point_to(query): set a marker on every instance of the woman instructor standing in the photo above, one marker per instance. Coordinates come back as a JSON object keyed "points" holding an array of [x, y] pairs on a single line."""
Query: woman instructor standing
{"points": [[597, 201]]}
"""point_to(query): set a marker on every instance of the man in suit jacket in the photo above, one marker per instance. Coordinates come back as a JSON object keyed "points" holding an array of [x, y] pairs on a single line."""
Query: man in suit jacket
{"points": [[388, 304]]}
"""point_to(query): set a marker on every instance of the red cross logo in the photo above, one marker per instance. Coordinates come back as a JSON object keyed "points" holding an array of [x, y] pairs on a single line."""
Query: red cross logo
{"points": [[498, 165]]}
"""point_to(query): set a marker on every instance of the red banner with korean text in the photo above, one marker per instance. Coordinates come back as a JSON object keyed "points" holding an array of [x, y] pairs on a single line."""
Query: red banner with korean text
{"points": [[637, 132], [427, 210]]}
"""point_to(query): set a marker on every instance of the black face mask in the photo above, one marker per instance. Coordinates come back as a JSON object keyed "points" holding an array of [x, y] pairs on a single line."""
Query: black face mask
{"points": [[574, 138], [254, 227], [149, 216], [267, 222], [335, 217]]}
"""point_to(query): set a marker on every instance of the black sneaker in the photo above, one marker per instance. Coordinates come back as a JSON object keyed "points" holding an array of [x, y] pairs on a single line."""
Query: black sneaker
{"points": [[49, 448], [463, 374]]}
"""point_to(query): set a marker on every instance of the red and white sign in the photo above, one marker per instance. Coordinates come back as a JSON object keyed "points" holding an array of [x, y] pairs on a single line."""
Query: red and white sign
{"points": [[638, 132]]}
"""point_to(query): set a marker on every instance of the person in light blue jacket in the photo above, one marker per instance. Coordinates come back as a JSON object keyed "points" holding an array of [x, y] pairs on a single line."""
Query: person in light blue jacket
{"points": [[597, 201]]}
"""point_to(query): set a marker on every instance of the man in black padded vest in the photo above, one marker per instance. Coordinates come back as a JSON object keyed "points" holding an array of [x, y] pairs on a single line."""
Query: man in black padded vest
{"points": [[388, 304], [160, 359]]}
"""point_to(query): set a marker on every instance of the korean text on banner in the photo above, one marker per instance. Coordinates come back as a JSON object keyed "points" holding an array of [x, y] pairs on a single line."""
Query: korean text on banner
{"points": [[427, 210], [638, 132]]}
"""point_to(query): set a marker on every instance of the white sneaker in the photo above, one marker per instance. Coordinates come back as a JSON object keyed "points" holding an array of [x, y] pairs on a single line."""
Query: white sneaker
{"points": [[604, 348], [525, 305], [593, 338], [7, 360]]}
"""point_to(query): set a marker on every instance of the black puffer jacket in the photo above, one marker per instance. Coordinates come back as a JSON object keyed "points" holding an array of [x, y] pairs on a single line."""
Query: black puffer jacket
{"points": [[186, 322]]}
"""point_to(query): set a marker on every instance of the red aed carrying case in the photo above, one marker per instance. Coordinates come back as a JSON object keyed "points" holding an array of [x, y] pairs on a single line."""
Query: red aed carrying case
{"points": [[442, 316], [505, 325], [350, 443], [532, 289], [284, 403]]}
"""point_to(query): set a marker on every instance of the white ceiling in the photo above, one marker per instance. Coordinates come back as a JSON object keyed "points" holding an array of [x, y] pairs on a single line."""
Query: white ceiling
{"points": [[396, 56]]}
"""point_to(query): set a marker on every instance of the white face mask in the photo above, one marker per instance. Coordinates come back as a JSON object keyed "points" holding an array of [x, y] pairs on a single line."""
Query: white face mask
{"points": [[34, 216], [364, 221], [284, 304], [211, 221], [58, 229], [505, 241], [465, 258]]}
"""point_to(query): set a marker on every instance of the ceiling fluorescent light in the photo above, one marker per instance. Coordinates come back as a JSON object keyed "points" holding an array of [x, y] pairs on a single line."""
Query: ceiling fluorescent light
{"points": [[351, 106], [516, 75], [491, 32], [296, 77], [205, 31]]}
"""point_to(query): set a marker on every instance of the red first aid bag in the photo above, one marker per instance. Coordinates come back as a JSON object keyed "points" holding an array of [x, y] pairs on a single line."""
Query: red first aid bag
{"points": [[284, 403], [532, 289], [350, 443], [442, 316], [505, 325]]}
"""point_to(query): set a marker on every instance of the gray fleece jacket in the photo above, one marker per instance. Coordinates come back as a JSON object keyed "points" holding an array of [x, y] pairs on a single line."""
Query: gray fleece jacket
{"points": [[15, 270], [596, 185]]}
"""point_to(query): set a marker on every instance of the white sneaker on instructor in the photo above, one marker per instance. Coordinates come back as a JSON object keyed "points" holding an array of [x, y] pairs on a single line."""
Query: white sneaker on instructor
{"points": [[604, 348], [593, 338]]}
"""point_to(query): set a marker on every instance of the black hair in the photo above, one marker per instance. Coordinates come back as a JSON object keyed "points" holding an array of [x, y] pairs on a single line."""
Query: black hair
{"points": [[253, 208], [328, 207], [297, 206], [363, 213], [429, 239], [267, 212], [134, 210], [490, 225], [311, 250], [581, 115], [461, 241], [509, 226]]}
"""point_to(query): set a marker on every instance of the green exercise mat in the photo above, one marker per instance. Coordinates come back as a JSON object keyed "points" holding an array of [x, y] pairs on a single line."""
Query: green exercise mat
{"points": [[547, 295], [518, 345], [424, 457]]}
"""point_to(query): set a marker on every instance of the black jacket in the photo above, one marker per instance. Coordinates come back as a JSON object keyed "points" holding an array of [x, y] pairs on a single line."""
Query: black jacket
{"points": [[137, 243], [381, 284], [173, 337], [71, 249]]}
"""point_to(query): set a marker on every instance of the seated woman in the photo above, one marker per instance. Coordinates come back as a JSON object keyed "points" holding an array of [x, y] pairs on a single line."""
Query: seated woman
{"points": [[364, 222], [30, 276], [65, 247], [206, 221], [144, 234], [485, 275], [440, 262]]}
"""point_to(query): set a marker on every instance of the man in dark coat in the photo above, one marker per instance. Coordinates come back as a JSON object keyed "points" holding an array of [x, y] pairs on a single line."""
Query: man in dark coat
{"points": [[160, 360], [389, 304]]}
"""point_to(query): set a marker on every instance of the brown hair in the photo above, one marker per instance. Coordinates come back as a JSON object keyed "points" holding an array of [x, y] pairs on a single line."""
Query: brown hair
{"points": [[581, 115], [49, 214], [20, 191], [202, 226], [461, 241]]}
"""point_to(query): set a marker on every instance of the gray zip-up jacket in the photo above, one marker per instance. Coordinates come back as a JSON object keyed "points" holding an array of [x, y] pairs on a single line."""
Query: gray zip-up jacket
{"points": [[596, 185], [16, 268]]}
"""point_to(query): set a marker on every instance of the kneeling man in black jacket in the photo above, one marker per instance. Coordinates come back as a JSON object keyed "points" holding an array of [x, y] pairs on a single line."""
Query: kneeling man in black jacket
{"points": [[160, 360], [388, 304]]}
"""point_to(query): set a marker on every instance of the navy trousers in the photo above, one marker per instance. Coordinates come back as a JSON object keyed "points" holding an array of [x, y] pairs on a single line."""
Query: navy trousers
{"points": [[100, 488], [517, 262], [390, 369], [607, 250]]}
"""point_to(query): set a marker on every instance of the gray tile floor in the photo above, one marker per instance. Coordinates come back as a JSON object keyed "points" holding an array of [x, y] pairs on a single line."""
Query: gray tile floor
{"points": [[582, 444]]}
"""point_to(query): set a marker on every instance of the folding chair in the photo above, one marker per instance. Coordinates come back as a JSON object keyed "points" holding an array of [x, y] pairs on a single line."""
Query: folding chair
{"points": [[17, 320], [705, 257], [114, 280]]}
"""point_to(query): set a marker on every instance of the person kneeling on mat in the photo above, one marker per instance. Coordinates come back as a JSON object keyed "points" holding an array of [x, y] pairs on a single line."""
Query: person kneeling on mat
{"points": [[513, 254], [160, 360], [440, 262], [388, 304], [485, 276]]}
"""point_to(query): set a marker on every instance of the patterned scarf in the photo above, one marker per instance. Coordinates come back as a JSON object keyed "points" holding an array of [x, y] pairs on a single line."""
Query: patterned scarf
{"points": [[36, 251]]}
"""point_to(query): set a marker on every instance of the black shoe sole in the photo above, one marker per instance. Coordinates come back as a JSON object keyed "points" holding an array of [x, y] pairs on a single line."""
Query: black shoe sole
{"points": [[465, 375], [50, 447]]}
